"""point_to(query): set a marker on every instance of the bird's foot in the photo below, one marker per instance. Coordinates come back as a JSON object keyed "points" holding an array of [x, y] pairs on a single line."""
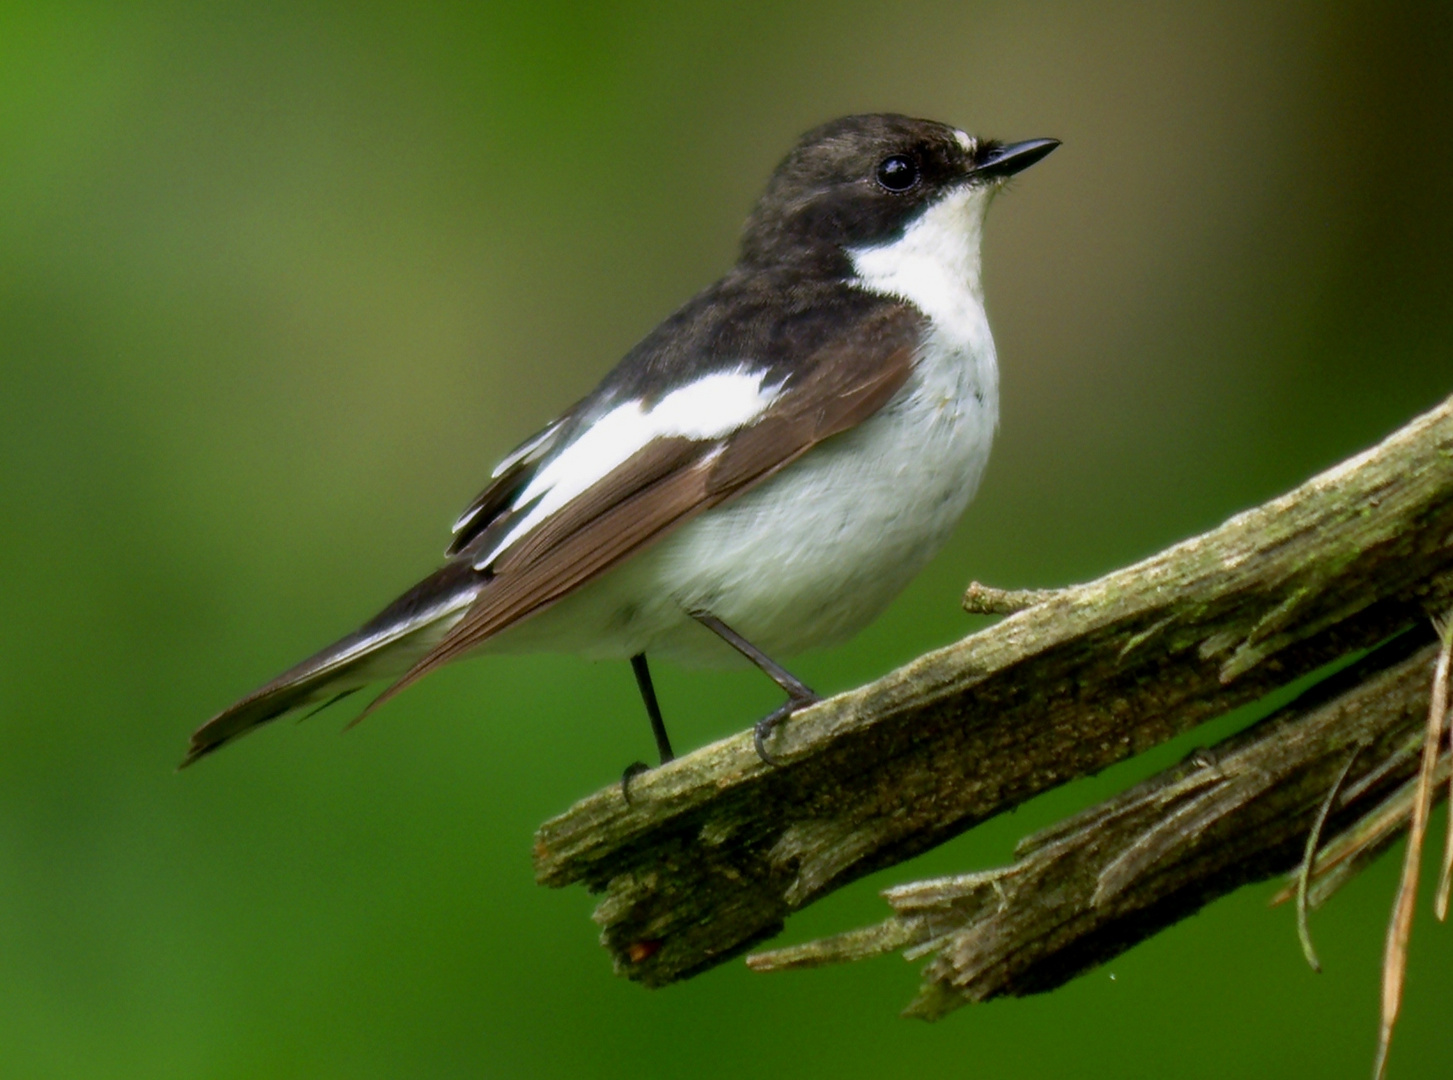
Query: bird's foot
{"points": [[769, 723]]}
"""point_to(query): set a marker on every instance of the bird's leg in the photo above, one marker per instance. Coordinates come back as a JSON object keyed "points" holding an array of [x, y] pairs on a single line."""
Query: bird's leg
{"points": [[653, 708], [658, 725], [799, 694]]}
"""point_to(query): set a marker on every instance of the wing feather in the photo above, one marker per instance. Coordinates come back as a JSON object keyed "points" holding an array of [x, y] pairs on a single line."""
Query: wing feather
{"points": [[510, 476], [672, 479]]}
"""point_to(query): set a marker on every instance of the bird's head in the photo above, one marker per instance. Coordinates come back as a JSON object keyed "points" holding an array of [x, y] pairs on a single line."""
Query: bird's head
{"points": [[862, 181]]}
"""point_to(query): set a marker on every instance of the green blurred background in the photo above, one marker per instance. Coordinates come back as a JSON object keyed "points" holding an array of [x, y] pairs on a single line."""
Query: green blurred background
{"points": [[278, 282]]}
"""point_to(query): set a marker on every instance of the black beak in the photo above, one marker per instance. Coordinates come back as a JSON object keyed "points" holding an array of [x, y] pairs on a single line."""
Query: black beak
{"points": [[999, 162]]}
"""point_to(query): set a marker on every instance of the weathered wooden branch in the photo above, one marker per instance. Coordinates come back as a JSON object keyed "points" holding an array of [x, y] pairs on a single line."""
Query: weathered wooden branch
{"points": [[1090, 887], [715, 849]]}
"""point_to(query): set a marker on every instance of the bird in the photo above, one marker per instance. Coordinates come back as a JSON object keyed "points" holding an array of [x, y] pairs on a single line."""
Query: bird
{"points": [[760, 475]]}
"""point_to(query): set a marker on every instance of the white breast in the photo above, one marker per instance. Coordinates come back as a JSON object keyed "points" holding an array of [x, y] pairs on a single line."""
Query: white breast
{"points": [[815, 553]]}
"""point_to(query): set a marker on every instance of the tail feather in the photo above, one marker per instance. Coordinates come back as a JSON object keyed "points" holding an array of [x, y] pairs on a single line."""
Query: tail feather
{"points": [[384, 648]]}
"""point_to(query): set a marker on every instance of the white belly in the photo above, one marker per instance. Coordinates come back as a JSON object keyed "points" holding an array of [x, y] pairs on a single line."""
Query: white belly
{"points": [[815, 553]]}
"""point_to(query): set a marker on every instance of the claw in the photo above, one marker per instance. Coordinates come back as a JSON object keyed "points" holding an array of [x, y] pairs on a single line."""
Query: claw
{"points": [[764, 727], [761, 730], [631, 771]]}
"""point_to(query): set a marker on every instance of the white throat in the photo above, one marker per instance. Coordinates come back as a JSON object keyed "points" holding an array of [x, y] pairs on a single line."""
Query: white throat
{"points": [[935, 263]]}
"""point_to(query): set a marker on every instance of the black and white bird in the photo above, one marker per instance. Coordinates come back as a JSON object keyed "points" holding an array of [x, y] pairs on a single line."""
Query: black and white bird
{"points": [[762, 474]]}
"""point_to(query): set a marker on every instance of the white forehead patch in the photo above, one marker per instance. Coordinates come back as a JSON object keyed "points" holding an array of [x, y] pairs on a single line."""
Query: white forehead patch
{"points": [[965, 140], [709, 408]]}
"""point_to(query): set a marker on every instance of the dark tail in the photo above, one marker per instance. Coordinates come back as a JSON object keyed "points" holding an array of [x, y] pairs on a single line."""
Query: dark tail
{"points": [[383, 649]]}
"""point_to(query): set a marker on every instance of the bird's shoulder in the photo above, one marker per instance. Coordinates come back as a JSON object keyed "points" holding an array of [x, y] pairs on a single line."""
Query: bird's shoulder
{"points": [[774, 321]]}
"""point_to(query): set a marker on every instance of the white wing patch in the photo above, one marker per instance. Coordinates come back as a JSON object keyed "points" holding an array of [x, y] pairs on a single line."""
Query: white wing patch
{"points": [[713, 406]]}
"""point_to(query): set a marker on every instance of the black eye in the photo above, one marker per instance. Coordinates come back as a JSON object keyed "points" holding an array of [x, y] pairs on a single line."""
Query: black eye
{"points": [[898, 172]]}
